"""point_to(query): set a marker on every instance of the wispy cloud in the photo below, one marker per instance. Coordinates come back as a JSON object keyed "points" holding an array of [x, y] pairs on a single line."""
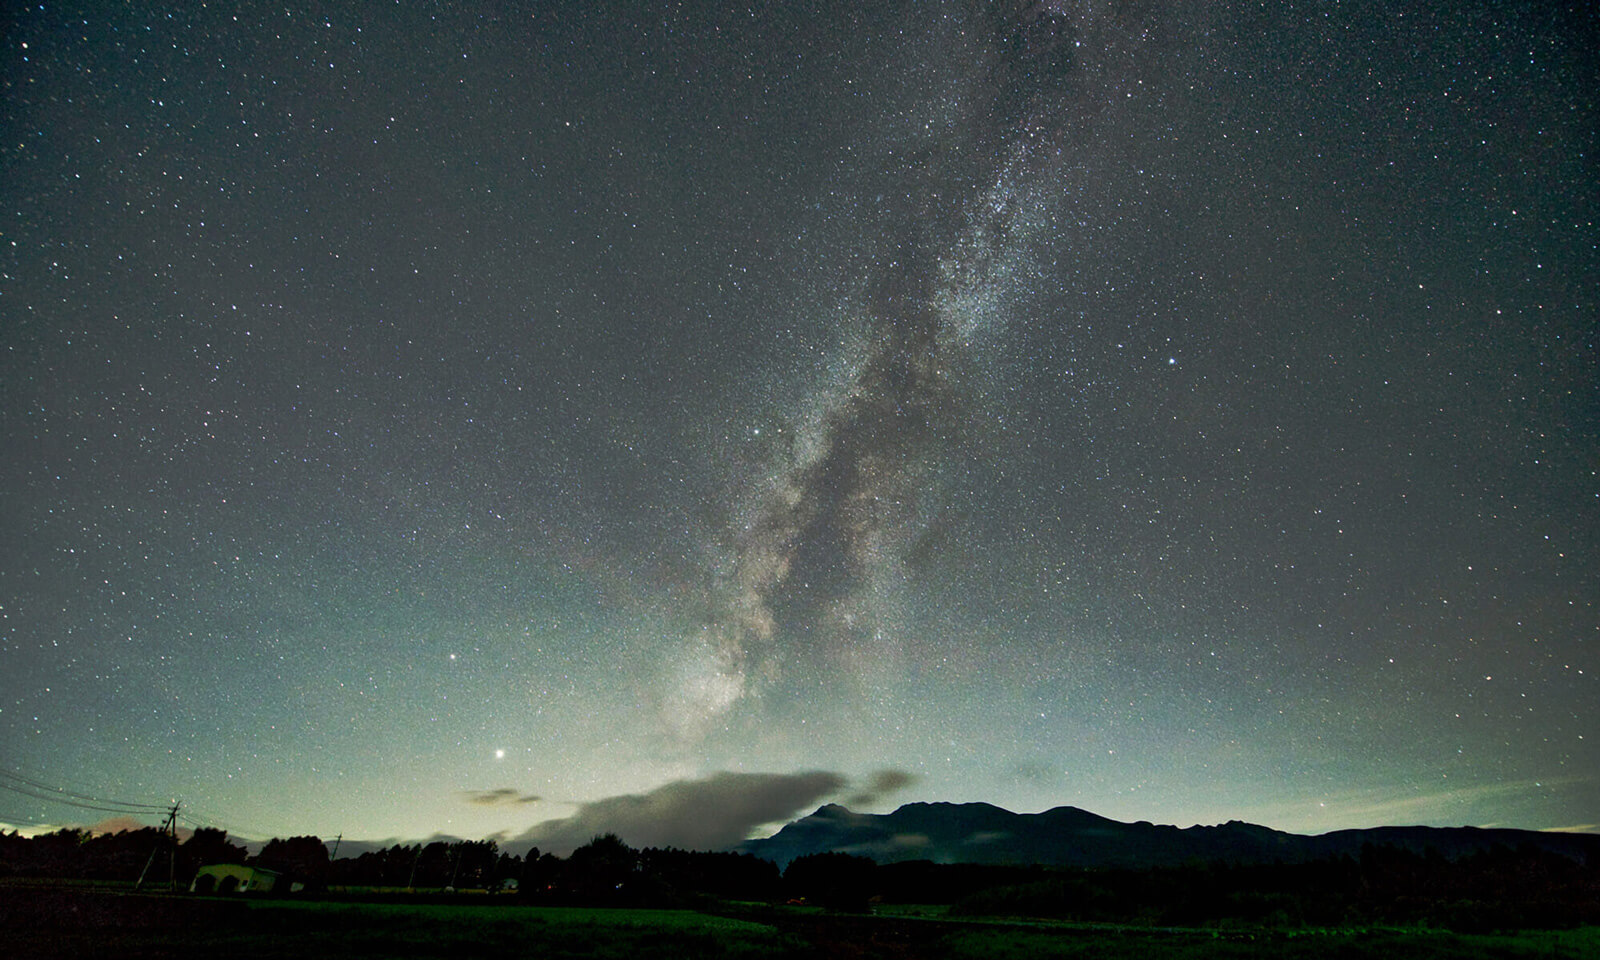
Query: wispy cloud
{"points": [[500, 797], [880, 785], [1371, 808]]}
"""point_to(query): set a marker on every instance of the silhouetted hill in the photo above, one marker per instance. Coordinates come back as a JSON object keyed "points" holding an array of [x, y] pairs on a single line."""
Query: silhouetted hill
{"points": [[1068, 836]]}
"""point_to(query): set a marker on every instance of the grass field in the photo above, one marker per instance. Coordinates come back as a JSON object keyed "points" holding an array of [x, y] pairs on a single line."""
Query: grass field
{"points": [[1016, 944], [62, 922], [52, 924]]}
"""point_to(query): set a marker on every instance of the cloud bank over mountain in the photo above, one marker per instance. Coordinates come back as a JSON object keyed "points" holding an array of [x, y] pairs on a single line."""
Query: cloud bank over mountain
{"points": [[712, 813]]}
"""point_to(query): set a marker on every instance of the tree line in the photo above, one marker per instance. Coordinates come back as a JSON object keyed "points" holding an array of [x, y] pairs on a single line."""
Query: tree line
{"points": [[1496, 889], [1501, 888], [77, 854], [605, 870]]}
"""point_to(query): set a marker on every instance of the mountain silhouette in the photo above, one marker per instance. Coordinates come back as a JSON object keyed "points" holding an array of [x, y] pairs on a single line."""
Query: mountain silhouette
{"points": [[1068, 836]]}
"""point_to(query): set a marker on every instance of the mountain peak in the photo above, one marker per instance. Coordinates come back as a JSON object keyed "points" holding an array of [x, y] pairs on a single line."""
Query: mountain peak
{"points": [[946, 805], [1072, 837]]}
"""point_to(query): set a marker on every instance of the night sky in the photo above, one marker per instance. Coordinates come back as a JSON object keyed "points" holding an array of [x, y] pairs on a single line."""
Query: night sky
{"points": [[485, 419]]}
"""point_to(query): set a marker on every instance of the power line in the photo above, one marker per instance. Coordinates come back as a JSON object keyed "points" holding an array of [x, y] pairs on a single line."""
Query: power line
{"points": [[38, 790], [37, 784], [195, 818], [35, 788], [203, 825], [39, 795]]}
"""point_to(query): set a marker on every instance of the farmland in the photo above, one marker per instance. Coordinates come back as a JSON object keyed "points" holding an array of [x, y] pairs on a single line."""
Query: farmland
{"points": [[60, 921]]}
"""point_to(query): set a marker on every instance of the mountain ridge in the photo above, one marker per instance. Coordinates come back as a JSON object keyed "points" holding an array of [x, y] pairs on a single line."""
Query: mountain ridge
{"points": [[1068, 836]]}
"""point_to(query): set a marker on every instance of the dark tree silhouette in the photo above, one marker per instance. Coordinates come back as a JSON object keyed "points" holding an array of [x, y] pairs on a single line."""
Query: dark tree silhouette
{"points": [[542, 874], [507, 869], [433, 867], [603, 868], [473, 864], [298, 859], [205, 847], [123, 855], [838, 881], [732, 876]]}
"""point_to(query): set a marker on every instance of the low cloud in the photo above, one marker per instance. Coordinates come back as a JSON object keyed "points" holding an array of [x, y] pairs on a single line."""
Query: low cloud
{"points": [[110, 825], [880, 785], [1362, 808], [987, 836], [713, 813], [501, 797], [117, 825]]}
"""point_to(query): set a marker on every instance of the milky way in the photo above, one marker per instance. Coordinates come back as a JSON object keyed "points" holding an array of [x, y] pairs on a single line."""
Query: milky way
{"points": [[821, 557]]}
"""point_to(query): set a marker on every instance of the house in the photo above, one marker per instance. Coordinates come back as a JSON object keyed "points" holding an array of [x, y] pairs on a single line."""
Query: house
{"points": [[233, 878]]}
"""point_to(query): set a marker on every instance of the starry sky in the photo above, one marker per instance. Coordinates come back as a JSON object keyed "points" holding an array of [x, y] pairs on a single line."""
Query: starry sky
{"points": [[498, 419]]}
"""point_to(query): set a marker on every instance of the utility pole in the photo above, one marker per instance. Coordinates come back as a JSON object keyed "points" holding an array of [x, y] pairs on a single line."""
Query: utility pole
{"points": [[169, 832]]}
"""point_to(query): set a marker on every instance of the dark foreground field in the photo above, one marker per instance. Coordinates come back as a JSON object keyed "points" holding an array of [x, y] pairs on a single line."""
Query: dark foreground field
{"points": [[66, 922]]}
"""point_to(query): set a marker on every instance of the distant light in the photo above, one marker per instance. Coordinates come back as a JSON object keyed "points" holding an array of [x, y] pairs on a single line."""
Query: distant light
{"points": [[1172, 361], [499, 754]]}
